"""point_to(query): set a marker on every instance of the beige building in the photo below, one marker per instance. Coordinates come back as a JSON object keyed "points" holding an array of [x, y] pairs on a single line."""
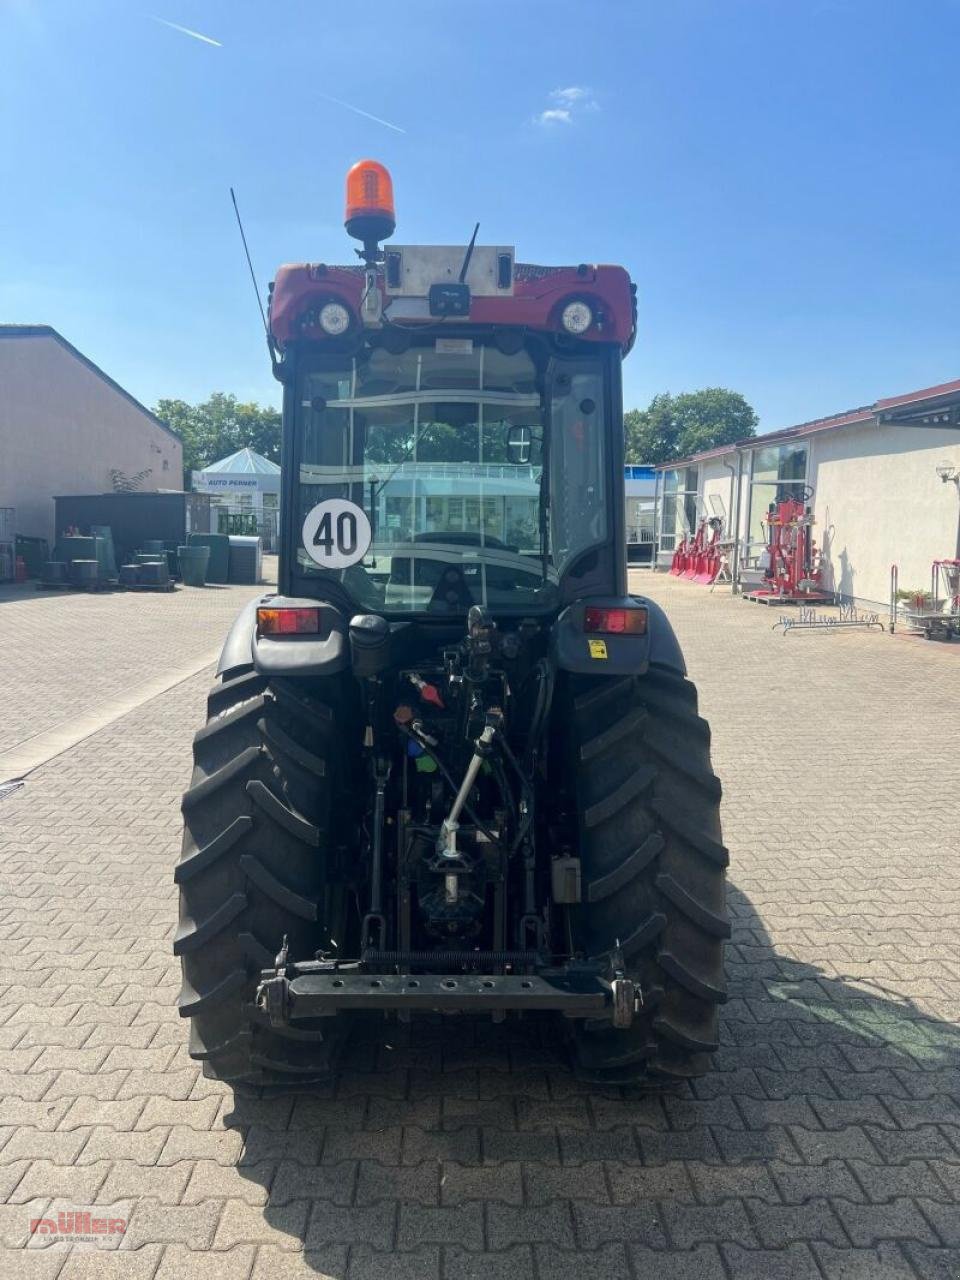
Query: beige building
{"points": [[886, 490], [65, 427]]}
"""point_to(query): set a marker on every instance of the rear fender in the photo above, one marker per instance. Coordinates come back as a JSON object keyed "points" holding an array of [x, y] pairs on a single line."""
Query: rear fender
{"points": [[314, 655], [616, 655]]}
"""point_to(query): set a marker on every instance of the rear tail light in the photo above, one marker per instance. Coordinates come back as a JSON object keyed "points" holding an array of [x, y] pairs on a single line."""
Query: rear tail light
{"points": [[630, 622], [288, 622]]}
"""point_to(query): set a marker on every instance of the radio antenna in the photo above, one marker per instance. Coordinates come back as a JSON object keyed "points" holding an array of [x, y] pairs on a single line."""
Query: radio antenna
{"points": [[469, 254], [253, 277]]}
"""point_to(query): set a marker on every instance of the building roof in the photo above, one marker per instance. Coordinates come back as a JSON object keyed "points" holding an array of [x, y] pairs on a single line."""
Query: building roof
{"points": [[48, 331], [846, 418], [880, 410], [918, 397], [244, 462]]}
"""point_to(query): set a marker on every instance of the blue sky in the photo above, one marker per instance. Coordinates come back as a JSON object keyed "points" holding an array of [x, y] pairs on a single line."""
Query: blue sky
{"points": [[779, 176]]}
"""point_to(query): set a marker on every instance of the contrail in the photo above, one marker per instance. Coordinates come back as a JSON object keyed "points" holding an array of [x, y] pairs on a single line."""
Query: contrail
{"points": [[175, 26], [360, 112]]}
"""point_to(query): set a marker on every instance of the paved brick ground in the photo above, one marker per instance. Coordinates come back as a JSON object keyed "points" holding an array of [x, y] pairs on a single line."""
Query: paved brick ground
{"points": [[825, 1144], [62, 654]]}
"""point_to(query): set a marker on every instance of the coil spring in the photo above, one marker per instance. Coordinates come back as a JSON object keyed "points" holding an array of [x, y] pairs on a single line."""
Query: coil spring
{"points": [[465, 959]]}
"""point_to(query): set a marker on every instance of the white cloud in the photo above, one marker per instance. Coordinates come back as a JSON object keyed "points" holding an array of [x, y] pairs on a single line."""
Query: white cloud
{"points": [[576, 93], [555, 115], [569, 103]]}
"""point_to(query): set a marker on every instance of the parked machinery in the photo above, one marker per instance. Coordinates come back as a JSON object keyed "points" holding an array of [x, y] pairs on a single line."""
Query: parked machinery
{"points": [[453, 766], [698, 558], [707, 562], [681, 556], [793, 572]]}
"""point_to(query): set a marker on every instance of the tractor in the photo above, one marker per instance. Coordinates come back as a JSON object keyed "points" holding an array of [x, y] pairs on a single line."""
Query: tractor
{"points": [[452, 767]]}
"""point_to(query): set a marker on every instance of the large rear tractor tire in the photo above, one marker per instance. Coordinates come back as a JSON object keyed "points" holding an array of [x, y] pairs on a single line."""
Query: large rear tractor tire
{"points": [[255, 866], [653, 872]]}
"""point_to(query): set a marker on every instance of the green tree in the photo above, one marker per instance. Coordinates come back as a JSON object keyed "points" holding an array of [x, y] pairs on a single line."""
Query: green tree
{"points": [[220, 426], [674, 427]]}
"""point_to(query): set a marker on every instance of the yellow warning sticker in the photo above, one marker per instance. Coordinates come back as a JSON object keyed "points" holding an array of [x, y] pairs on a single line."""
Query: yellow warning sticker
{"points": [[598, 648]]}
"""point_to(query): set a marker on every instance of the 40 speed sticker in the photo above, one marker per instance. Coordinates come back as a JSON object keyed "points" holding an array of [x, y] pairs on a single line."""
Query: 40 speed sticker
{"points": [[336, 533]]}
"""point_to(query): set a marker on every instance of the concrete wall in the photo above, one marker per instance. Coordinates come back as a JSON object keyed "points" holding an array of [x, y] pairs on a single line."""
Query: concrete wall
{"points": [[878, 500], [62, 428]]}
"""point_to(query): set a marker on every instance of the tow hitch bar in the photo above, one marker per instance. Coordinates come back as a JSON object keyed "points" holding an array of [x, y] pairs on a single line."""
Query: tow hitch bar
{"points": [[323, 988]]}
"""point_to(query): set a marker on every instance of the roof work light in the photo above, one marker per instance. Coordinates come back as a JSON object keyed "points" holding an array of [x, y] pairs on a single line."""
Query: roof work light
{"points": [[334, 319], [577, 317], [369, 214]]}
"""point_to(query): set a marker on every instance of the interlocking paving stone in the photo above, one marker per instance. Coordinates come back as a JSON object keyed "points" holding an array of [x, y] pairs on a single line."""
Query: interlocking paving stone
{"points": [[368, 1264], [500, 1182], [546, 1182], [825, 1143], [128, 1180], [419, 1183], [287, 1182], [191, 1225], [609, 1262], [702, 1263], [867, 1224], [376, 1225], [178, 1262], [515, 1263], [139, 1264], [242, 1223], [780, 1225], [551, 1223], [422, 1224], [796, 1262], [886, 1262], [329, 1263], [689, 1224], [596, 1224]]}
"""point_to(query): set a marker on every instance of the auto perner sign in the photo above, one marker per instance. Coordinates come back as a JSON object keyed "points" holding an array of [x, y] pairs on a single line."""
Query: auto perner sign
{"points": [[200, 481]]}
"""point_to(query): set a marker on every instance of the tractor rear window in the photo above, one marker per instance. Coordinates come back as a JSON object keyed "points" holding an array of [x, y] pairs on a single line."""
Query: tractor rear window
{"points": [[436, 465]]}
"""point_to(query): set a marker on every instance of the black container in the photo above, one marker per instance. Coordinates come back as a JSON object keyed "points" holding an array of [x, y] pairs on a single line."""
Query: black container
{"points": [[154, 573], [129, 575], [136, 518], [54, 572], [84, 573]]}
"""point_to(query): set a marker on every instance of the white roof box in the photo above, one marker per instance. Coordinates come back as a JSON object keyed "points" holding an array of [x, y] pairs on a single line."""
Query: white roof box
{"points": [[410, 269]]}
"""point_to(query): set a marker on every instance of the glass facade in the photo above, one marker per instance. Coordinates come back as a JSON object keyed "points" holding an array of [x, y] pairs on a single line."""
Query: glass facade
{"points": [[678, 505], [778, 472]]}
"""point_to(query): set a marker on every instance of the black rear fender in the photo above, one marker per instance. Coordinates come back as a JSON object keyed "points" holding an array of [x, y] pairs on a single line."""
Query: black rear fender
{"points": [[324, 654], [611, 654]]}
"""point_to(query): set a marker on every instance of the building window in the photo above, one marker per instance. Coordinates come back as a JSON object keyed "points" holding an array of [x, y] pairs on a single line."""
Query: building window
{"points": [[678, 509], [778, 472], [639, 515]]}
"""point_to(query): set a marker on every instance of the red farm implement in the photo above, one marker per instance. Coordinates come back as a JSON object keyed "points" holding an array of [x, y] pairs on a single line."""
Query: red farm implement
{"points": [[698, 558], [681, 557], [793, 574]]}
